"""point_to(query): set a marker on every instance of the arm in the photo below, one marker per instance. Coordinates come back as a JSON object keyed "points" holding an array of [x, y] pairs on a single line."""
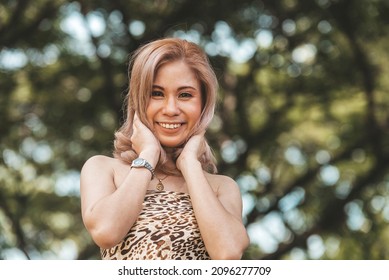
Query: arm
{"points": [[109, 210], [219, 215]]}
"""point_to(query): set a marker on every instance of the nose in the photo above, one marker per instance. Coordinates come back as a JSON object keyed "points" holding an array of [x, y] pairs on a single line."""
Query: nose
{"points": [[171, 107]]}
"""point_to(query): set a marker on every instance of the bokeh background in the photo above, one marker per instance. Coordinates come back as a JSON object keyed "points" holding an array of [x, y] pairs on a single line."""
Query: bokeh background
{"points": [[301, 124]]}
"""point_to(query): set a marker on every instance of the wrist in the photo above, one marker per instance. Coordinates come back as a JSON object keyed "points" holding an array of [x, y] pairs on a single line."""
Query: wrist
{"points": [[189, 164], [151, 157]]}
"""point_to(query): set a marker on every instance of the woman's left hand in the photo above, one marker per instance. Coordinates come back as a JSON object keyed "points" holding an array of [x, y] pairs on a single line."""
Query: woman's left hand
{"points": [[192, 150]]}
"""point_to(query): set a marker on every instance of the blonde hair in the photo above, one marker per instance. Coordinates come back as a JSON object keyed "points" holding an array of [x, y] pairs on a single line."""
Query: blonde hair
{"points": [[143, 66]]}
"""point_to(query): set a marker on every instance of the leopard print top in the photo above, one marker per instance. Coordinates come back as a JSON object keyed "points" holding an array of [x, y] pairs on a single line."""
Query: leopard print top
{"points": [[166, 229]]}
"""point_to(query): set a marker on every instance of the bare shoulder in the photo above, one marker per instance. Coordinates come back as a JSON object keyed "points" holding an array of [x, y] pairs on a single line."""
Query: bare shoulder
{"points": [[228, 193], [105, 170], [98, 161], [100, 174], [222, 183], [101, 164]]}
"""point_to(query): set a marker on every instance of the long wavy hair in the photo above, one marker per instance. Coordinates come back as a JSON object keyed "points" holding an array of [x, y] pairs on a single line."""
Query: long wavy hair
{"points": [[143, 65]]}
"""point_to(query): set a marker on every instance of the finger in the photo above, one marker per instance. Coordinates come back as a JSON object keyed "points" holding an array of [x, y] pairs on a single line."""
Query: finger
{"points": [[201, 132], [136, 118], [137, 122]]}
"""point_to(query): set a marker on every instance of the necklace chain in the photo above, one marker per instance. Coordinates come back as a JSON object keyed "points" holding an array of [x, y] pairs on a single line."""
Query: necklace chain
{"points": [[160, 186]]}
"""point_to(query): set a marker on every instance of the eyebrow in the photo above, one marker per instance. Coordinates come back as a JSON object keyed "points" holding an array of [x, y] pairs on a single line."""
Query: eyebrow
{"points": [[179, 88]]}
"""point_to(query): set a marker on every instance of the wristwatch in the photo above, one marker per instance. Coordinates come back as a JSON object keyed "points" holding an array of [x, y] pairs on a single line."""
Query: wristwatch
{"points": [[140, 162]]}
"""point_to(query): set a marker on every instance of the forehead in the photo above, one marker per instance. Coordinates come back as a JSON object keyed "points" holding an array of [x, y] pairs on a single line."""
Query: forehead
{"points": [[177, 72]]}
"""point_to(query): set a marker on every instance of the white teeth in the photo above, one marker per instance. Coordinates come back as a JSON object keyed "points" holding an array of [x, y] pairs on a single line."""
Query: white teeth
{"points": [[170, 125]]}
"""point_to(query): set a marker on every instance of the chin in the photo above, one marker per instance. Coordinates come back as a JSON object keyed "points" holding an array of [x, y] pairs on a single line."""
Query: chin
{"points": [[167, 146], [172, 145], [172, 141]]}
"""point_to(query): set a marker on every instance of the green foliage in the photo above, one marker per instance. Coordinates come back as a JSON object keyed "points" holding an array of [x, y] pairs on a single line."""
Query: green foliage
{"points": [[302, 121]]}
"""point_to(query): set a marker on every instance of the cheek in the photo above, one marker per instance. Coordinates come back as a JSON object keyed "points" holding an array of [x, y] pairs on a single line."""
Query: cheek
{"points": [[150, 110], [197, 110], [195, 114], [150, 115]]}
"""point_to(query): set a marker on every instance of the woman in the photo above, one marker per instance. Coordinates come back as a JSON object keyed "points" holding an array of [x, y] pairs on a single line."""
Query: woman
{"points": [[159, 197]]}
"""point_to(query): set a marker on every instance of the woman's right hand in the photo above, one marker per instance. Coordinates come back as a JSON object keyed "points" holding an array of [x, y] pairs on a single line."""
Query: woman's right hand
{"points": [[143, 140]]}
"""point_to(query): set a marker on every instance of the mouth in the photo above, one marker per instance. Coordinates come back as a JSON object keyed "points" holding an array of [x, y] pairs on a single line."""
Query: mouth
{"points": [[170, 125]]}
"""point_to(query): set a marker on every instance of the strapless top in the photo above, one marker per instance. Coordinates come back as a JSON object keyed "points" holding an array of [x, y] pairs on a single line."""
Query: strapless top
{"points": [[166, 229]]}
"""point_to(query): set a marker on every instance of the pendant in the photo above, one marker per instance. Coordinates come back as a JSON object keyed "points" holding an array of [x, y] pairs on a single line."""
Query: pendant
{"points": [[159, 186]]}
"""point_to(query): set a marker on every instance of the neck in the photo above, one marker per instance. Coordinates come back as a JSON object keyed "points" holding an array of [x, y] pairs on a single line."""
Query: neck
{"points": [[169, 162], [172, 154]]}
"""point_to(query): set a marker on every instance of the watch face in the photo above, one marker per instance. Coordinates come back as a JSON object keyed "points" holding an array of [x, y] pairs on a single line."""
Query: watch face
{"points": [[138, 162]]}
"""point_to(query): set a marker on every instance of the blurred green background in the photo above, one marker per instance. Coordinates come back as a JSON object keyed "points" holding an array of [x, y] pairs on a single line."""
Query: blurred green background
{"points": [[301, 124]]}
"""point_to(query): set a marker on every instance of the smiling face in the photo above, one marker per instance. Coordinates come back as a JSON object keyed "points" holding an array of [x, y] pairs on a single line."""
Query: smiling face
{"points": [[175, 103]]}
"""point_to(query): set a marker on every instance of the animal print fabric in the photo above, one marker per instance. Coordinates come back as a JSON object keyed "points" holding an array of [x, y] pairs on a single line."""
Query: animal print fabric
{"points": [[166, 229]]}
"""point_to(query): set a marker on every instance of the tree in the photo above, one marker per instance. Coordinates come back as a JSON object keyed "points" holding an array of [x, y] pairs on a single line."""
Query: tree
{"points": [[302, 123]]}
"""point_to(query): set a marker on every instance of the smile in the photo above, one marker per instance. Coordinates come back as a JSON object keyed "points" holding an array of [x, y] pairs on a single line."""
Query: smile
{"points": [[170, 125]]}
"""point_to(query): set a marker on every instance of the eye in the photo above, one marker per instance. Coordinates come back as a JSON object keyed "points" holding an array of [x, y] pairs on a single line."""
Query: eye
{"points": [[156, 93], [185, 95]]}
